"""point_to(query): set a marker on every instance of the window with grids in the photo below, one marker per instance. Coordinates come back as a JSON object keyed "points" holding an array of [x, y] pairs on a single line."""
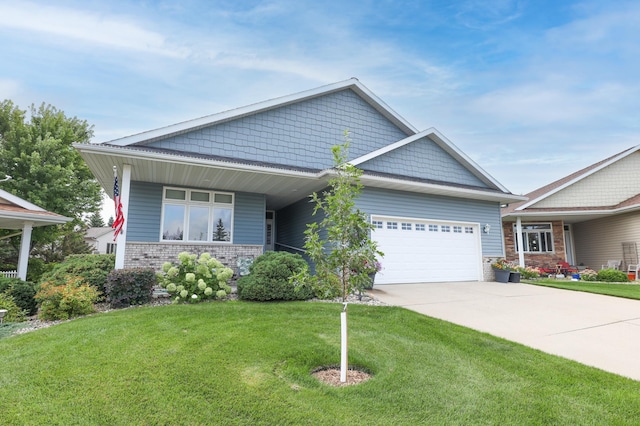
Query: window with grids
{"points": [[536, 237], [194, 215], [377, 224]]}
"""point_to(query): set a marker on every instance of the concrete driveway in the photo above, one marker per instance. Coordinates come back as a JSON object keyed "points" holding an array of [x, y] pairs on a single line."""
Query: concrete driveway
{"points": [[600, 331]]}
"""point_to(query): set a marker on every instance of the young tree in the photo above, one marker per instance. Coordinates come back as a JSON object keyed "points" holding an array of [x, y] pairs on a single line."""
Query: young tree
{"points": [[340, 245], [45, 168], [221, 234]]}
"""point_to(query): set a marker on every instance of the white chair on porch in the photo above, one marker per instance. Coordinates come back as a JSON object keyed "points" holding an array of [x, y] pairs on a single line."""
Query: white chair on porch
{"points": [[612, 264]]}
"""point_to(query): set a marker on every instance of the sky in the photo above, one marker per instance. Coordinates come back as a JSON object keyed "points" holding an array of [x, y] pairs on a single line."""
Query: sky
{"points": [[531, 90]]}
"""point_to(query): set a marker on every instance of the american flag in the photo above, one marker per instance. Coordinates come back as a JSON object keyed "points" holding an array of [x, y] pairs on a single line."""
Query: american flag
{"points": [[119, 222]]}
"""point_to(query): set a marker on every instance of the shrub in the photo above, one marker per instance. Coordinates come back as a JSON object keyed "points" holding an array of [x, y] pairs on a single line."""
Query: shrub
{"points": [[612, 275], [59, 302], [588, 275], [269, 275], [36, 268], [91, 268], [528, 272], [23, 293], [126, 287], [195, 278], [14, 313]]}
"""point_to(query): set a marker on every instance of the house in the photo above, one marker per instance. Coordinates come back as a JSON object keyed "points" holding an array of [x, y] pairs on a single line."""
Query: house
{"points": [[100, 240], [237, 183], [22, 216], [586, 218]]}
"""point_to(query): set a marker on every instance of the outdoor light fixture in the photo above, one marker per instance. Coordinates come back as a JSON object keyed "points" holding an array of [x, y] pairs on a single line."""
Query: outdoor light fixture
{"points": [[486, 228]]}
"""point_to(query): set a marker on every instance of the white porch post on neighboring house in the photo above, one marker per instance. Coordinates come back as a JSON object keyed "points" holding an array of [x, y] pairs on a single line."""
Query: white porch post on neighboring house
{"points": [[23, 256], [519, 241], [124, 198]]}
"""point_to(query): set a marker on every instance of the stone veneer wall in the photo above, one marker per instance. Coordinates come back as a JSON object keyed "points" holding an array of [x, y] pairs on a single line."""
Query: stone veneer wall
{"points": [[543, 260], [153, 255]]}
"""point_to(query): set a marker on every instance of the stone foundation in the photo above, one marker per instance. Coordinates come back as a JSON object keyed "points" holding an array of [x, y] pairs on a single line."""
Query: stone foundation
{"points": [[153, 255]]}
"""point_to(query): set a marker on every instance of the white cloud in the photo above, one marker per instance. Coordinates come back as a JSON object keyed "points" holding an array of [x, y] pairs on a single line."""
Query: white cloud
{"points": [[91, 28]]}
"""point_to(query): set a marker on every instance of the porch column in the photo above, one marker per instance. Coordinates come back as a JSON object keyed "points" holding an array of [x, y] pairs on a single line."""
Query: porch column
{"points": [[121, 241], [519, 241], [25, 244]]}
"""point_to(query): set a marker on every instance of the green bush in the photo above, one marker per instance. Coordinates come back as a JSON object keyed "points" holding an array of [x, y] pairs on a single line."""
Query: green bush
{"points": [[91, 268], [36, 268], [269, 275], [23, 293], [588, 275], [15, 313], [195, 278], [126, 287], [612, 275], [72, 299]]}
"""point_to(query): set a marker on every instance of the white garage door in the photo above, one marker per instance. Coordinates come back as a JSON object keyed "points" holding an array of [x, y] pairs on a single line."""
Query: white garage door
{"points": [[418, 250]]}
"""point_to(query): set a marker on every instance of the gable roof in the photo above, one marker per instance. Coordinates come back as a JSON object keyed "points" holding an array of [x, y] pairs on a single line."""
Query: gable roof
{"points": [[535, 199], [15, 211], [209, 120], [154, 158]]}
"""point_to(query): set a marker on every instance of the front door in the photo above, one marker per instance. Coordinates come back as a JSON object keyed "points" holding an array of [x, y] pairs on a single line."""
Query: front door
{"points": [[568, 245]]}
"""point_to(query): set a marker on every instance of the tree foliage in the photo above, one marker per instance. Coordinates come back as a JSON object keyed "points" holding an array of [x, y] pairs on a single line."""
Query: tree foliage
{"points": [[95, 220], [340, 244], [46, 170]]}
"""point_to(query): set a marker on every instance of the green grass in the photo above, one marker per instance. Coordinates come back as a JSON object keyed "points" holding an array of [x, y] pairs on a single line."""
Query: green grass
{"points": [[237, 363], [628, 291]]}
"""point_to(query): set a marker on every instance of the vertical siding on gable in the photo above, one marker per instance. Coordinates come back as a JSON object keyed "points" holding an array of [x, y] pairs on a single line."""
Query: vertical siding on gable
{"points": [[145, 209], [425, 160], [249, 218], [413, 205], [300, 134]]}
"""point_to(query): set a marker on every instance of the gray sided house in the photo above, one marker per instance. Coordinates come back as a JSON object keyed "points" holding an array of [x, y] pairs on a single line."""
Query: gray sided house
{"points": [[237, 183]]}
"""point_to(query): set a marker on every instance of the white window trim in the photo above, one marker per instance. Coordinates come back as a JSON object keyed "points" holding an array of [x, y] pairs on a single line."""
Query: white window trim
{"points": [[526, 246], [187, 203]]}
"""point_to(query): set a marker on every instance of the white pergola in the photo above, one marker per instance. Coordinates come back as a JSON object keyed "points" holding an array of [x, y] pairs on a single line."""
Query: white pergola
{"points": [[22, 216]]}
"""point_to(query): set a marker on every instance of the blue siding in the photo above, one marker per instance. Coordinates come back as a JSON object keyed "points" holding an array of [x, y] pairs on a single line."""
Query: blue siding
{"points": [[425, 160], [249, 218], [408, 204], [145, 211], [291, 222], [299, 135]]}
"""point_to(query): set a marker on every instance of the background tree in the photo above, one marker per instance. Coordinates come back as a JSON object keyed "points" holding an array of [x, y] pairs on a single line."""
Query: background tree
{"points": [[110, 222], [96, 220], [46, 170], [221, 234]]}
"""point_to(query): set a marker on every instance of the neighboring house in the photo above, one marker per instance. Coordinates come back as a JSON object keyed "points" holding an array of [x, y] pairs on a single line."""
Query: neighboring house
{"points": [[586, 218], [22, 216], [100, 239], [238, 183]]}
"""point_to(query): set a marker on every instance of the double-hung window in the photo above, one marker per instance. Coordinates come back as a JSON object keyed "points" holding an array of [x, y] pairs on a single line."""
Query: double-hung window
{"points": [[536, 237], [194, 215]]}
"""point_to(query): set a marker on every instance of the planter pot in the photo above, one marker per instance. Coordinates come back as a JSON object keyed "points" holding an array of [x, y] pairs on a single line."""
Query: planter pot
{"points": [[502, 276], [372, 278], [514, 277]]}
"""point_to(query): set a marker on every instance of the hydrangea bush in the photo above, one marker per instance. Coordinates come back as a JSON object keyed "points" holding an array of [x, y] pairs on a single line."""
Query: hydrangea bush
{"points": [[195, 279]]}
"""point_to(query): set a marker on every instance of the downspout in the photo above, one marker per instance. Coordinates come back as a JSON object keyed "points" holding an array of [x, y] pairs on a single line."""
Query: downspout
{"points": [[519, 241], [121, 241]]}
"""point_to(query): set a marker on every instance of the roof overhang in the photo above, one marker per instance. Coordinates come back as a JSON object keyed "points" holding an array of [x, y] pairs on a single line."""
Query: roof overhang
{"points": [[569, 216], [281, 185], [16, 218]]}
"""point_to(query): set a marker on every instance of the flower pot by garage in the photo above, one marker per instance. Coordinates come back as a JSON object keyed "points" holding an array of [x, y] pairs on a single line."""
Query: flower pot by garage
{"points": [[372, 278], [514, 277], [502, 276]]}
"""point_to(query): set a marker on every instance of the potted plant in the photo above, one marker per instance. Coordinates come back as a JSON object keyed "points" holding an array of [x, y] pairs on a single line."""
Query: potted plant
{"points": [[502, 269], [373, 268]]}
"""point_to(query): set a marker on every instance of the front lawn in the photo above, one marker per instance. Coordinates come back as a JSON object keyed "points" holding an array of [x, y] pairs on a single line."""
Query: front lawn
{"points": [[239, 363], [629, 291]]}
